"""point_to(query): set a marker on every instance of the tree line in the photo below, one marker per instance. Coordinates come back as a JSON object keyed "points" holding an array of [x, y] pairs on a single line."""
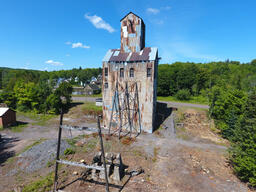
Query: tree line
{"points": [[231, 91], [41, 91]]}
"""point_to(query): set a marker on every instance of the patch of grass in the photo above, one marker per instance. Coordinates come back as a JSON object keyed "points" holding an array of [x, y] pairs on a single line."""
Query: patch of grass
{"points": [[1, 128], [89, 108], [41, 185], [18, 128], [74, 140], [90, 145], [194, 99], [94, 95], [50, 163], [156, 149], [69, 151], [40, 119]]}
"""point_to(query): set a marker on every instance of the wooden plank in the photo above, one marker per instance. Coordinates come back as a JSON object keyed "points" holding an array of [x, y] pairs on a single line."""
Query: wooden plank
{"points": [[79, 164], [78, 128]]}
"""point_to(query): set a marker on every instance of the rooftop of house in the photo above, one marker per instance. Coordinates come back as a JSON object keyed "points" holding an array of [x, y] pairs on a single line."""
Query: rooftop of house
{"points": [[146, 54], [93, 86], [3, 110]]}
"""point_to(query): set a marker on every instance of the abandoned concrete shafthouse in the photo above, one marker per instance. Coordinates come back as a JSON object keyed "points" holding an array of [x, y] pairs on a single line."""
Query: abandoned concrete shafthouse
{"points": [[130, 80]]}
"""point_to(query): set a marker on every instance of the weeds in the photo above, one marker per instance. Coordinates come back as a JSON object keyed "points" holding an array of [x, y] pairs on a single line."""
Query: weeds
{"points": [[156, 149], [90, 145], [41, 185], [89, 108], [69, 151]]}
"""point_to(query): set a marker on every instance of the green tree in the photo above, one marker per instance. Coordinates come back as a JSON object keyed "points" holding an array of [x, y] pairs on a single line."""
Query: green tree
{"points": [[183, 94], [64, 92], [244, 147]]}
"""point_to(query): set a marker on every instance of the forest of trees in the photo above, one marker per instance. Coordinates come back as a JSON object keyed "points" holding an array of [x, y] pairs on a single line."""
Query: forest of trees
{"points": [[230, 89], [41, 91]]}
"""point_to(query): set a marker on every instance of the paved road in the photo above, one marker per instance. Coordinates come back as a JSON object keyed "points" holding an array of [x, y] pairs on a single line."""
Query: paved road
{"points": [[177, 104], [173, 104]]}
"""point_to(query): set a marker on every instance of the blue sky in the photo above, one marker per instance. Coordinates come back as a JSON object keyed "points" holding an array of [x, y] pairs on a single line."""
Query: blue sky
{"points": [[63, 34]]}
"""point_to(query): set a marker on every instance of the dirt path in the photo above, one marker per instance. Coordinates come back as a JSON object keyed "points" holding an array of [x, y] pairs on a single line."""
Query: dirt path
{"points": [[195, 165]]}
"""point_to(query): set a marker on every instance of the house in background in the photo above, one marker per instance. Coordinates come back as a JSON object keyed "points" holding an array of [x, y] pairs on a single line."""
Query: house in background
{"points": [[7, 117], [97, 81], [92, 89], [78, 91]]}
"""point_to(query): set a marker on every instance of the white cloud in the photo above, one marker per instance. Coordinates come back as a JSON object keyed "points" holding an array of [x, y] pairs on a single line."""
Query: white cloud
{"points": [[153, 11], [55, 63], [67, 55], [166, 8], [78, 45], [99, 23]]}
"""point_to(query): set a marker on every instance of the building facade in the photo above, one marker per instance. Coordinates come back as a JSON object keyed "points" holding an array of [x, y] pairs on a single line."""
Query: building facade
{"points": [[130, 73], [7, 117]]}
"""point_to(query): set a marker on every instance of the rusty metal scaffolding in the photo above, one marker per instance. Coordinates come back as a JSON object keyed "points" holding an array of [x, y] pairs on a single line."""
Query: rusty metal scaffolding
{"points": [[77, 164], [125, 111]]}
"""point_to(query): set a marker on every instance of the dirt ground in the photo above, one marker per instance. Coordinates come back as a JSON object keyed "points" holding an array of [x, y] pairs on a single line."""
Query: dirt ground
{"points": [[191, 158]]}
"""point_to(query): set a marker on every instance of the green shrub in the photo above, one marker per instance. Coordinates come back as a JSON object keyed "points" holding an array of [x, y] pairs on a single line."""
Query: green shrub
{"points": [[183, 94], [69, 151]]}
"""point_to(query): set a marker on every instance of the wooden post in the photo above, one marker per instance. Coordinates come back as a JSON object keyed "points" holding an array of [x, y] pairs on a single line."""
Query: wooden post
{"points": [[58, 152], [103, 155]]}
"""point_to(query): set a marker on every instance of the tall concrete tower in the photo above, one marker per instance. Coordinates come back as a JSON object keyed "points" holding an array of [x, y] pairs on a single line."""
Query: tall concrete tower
{"points": [[131, 69]]}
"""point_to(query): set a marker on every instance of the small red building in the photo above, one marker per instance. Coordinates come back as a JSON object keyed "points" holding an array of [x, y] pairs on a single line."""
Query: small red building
{"points": [[7, 117]]}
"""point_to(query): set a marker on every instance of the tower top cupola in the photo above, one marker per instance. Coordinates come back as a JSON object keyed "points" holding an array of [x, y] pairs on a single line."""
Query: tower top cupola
{"points": [[132, 33]]}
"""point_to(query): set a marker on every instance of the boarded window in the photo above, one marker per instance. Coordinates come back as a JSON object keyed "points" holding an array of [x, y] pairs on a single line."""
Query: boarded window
{"points": [[131, 72], [106, 71], [149, 72], [121, 72], [106, 85]]}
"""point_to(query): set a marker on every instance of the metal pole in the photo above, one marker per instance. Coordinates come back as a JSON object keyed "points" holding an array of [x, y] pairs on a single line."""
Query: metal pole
{"points": [[137, 97], [112, 110], [103, 155], [58, 151], [120, 115], [128, 107]]}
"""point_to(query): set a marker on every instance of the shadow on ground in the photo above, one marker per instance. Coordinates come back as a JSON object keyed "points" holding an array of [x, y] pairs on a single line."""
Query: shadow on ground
{"points": [[102, 183], [5, 144], [74, 104], [162, 113]]}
